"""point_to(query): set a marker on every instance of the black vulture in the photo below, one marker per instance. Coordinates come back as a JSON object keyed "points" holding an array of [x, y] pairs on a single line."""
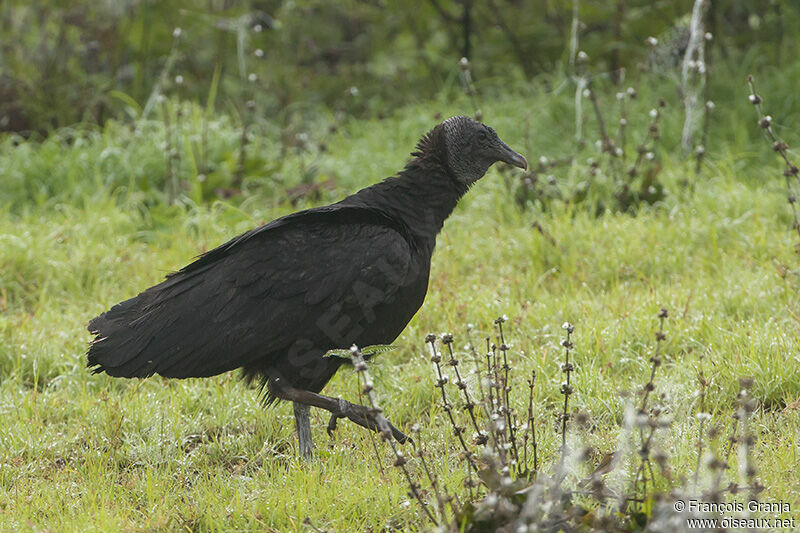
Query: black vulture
{"points": [[273, 301]]}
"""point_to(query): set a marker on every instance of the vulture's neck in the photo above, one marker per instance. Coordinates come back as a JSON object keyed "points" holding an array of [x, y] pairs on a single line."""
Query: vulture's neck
{"points": [[421, 197]]}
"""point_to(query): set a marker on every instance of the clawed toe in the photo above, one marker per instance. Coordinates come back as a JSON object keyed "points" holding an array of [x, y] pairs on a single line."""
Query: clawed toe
{"points": [[367, 418], [375, 418], [332, 425]]}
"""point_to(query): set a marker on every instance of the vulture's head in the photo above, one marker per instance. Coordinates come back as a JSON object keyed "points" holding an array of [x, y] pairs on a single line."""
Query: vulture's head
{"points": [[471, 148]]}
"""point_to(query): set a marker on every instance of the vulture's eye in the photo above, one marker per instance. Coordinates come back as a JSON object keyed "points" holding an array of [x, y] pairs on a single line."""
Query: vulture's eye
{"points": [[483, 136]]}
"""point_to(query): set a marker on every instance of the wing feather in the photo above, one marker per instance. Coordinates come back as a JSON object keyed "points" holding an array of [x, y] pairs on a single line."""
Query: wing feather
{"points": [[254, 296]]}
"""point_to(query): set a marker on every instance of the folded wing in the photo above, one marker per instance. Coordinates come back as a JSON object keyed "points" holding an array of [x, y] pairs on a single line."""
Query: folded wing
{"points": [[256, 295]]}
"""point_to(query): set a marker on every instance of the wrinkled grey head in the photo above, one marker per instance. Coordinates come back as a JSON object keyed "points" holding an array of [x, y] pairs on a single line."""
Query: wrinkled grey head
{"points": [[473, 147]]}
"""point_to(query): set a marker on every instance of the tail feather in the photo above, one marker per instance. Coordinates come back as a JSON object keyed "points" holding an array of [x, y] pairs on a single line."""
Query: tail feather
{"points": [[122, 340], [135, 338], [170, 329]]}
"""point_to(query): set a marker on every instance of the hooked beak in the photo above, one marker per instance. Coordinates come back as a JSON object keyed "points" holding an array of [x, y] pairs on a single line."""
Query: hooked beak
{"points": [[507, 155]]}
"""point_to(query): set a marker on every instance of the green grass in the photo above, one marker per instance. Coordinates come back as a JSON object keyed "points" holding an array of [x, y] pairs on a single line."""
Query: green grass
{"points": [[84, 226]]}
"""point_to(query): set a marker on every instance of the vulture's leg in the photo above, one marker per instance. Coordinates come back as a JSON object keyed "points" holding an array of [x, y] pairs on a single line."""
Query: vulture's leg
{"points": [[339, 408], [303, 425]]}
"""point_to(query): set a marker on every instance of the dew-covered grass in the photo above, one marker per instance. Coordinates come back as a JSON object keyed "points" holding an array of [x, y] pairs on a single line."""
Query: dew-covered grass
{"points": [[82, 229]]}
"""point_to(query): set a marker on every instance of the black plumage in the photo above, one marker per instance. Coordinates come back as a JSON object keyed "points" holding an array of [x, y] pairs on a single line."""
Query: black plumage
{"points": [[274, 300]]}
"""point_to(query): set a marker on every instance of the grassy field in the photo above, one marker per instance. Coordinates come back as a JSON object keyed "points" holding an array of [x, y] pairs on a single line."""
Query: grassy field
{"points": [[82, 228]]}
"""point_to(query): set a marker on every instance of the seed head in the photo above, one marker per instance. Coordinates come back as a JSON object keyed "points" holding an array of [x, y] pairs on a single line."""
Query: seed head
{"points": [[780, 146]]}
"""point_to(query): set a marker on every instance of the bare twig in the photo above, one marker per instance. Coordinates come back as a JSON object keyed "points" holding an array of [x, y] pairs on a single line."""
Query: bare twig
{"points": [[469, 87], [436, 358], [645, 152], [530, 429], [512, 438], [656, 359], [566, 389], [385, 429], [791, 171], [702, 417], [645, 418], [447, 340]]}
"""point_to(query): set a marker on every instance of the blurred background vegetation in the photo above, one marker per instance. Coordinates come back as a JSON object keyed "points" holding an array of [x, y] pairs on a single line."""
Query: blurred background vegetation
{"points": [[63, 63], [205, 100]]}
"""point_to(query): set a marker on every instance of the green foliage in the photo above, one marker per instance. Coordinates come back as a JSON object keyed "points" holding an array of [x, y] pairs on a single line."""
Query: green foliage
{"points": [[122, 171], [64, 63], [85, 224]]}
